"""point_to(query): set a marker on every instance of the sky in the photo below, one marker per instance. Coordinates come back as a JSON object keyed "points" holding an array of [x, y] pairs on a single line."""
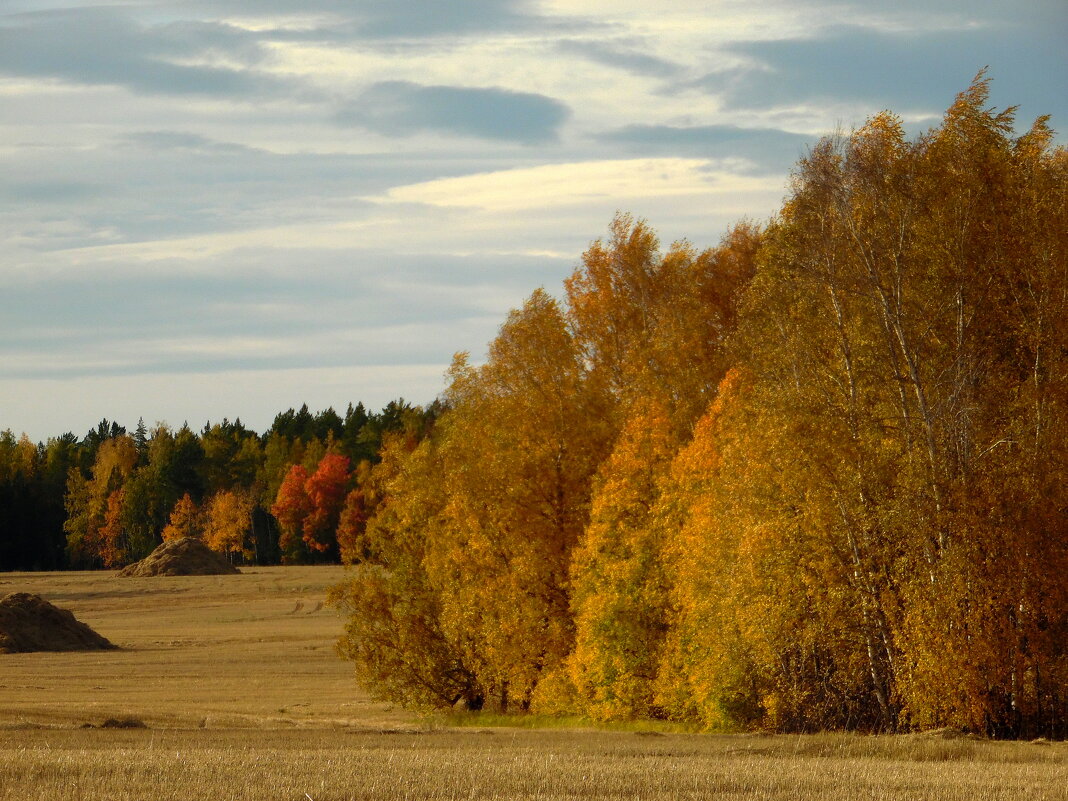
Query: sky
{"points": [[226, 208]]}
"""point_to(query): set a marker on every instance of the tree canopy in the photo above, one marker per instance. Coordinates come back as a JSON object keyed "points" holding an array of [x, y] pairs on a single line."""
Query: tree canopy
{"points": [[811, 478]]}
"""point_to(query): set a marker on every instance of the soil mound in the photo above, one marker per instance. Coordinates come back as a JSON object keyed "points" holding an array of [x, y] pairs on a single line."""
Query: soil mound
{"points": [[123, 723], [117, 723], [182, 557], [30, 623]]}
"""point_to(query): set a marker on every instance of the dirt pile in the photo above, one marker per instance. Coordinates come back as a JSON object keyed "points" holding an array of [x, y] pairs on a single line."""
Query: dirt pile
{"points": [[30, 623], [182, 557], [118, 723]]}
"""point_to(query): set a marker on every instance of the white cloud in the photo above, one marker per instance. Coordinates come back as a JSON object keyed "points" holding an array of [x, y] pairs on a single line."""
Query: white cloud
{"points": [[320, 235], [555, 185], [698, 22]]}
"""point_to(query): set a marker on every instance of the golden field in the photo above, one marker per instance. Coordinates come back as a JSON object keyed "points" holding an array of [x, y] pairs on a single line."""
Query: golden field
{"points": [[243, 698]]}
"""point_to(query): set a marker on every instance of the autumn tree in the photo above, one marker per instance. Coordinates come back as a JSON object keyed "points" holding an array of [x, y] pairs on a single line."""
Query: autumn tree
{"points": [[523, 437], [892, 330], [988, 584], [762, 634], [619, 590], [111, 537], [653, 329], [394, 634], [709, 669], [652, 323], [351, 528], [308, 506], [93, 504], [326, 490], [185, 521], [228, 523], [290, 508]]}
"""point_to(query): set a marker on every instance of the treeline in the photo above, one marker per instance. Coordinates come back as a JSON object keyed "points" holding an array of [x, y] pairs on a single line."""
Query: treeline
{"points": [[110, 497], [815, 477]]}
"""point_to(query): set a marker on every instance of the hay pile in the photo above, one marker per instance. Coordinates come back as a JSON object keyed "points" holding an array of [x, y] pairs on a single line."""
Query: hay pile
{"points": [[187, 556], [30, 623]]}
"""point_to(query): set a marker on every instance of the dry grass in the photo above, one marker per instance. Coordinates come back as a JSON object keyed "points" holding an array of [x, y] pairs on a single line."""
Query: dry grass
{"points": [[243, 698], [328, 765]]}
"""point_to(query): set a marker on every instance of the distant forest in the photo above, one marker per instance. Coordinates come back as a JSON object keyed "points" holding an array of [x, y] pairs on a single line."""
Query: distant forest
{"points": [[110, 497], [815, 477]]}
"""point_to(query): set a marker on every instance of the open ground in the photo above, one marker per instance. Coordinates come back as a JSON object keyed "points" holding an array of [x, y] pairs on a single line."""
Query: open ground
{"points": [[242, 697]]}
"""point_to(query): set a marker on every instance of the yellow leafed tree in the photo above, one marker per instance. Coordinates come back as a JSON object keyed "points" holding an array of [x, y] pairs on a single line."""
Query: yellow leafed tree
{"points": [[653, 324], [228, 523], [523, 437], [904, 332], [619, 591], [394, 634], [185, 520], [92, 504]]}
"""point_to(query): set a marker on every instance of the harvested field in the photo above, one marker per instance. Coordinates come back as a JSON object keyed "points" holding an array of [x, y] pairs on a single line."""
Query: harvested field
{"points": [[194, 650], [334, 764], [227, 687]]}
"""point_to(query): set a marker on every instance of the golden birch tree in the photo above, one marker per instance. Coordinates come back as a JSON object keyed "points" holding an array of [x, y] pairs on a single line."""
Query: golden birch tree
{"points": [[523, 437], [228, 523], [185, 520], [394, 634], [619, 591]]}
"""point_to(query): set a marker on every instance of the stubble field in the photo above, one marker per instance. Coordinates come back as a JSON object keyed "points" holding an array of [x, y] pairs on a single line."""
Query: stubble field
{"points": [[242, 697]]}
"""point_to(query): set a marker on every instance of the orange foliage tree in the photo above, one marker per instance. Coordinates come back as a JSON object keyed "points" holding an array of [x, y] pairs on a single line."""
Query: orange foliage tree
{"points": [[352, 524], [110, 536], [309, 507], [184, 521], [326, 490], [653, 324], [905, 333], [290, 508]]}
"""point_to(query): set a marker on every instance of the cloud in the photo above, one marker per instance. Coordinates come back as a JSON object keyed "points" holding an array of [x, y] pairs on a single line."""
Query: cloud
{"points": [[414, 18], [556, 185], [907, 71], [627, 59], [100, 46], [250, 307], [50, 191], [130, 186], [183, 141], [767, 147], [1039, 13], [401, 108], [372, 19]]}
